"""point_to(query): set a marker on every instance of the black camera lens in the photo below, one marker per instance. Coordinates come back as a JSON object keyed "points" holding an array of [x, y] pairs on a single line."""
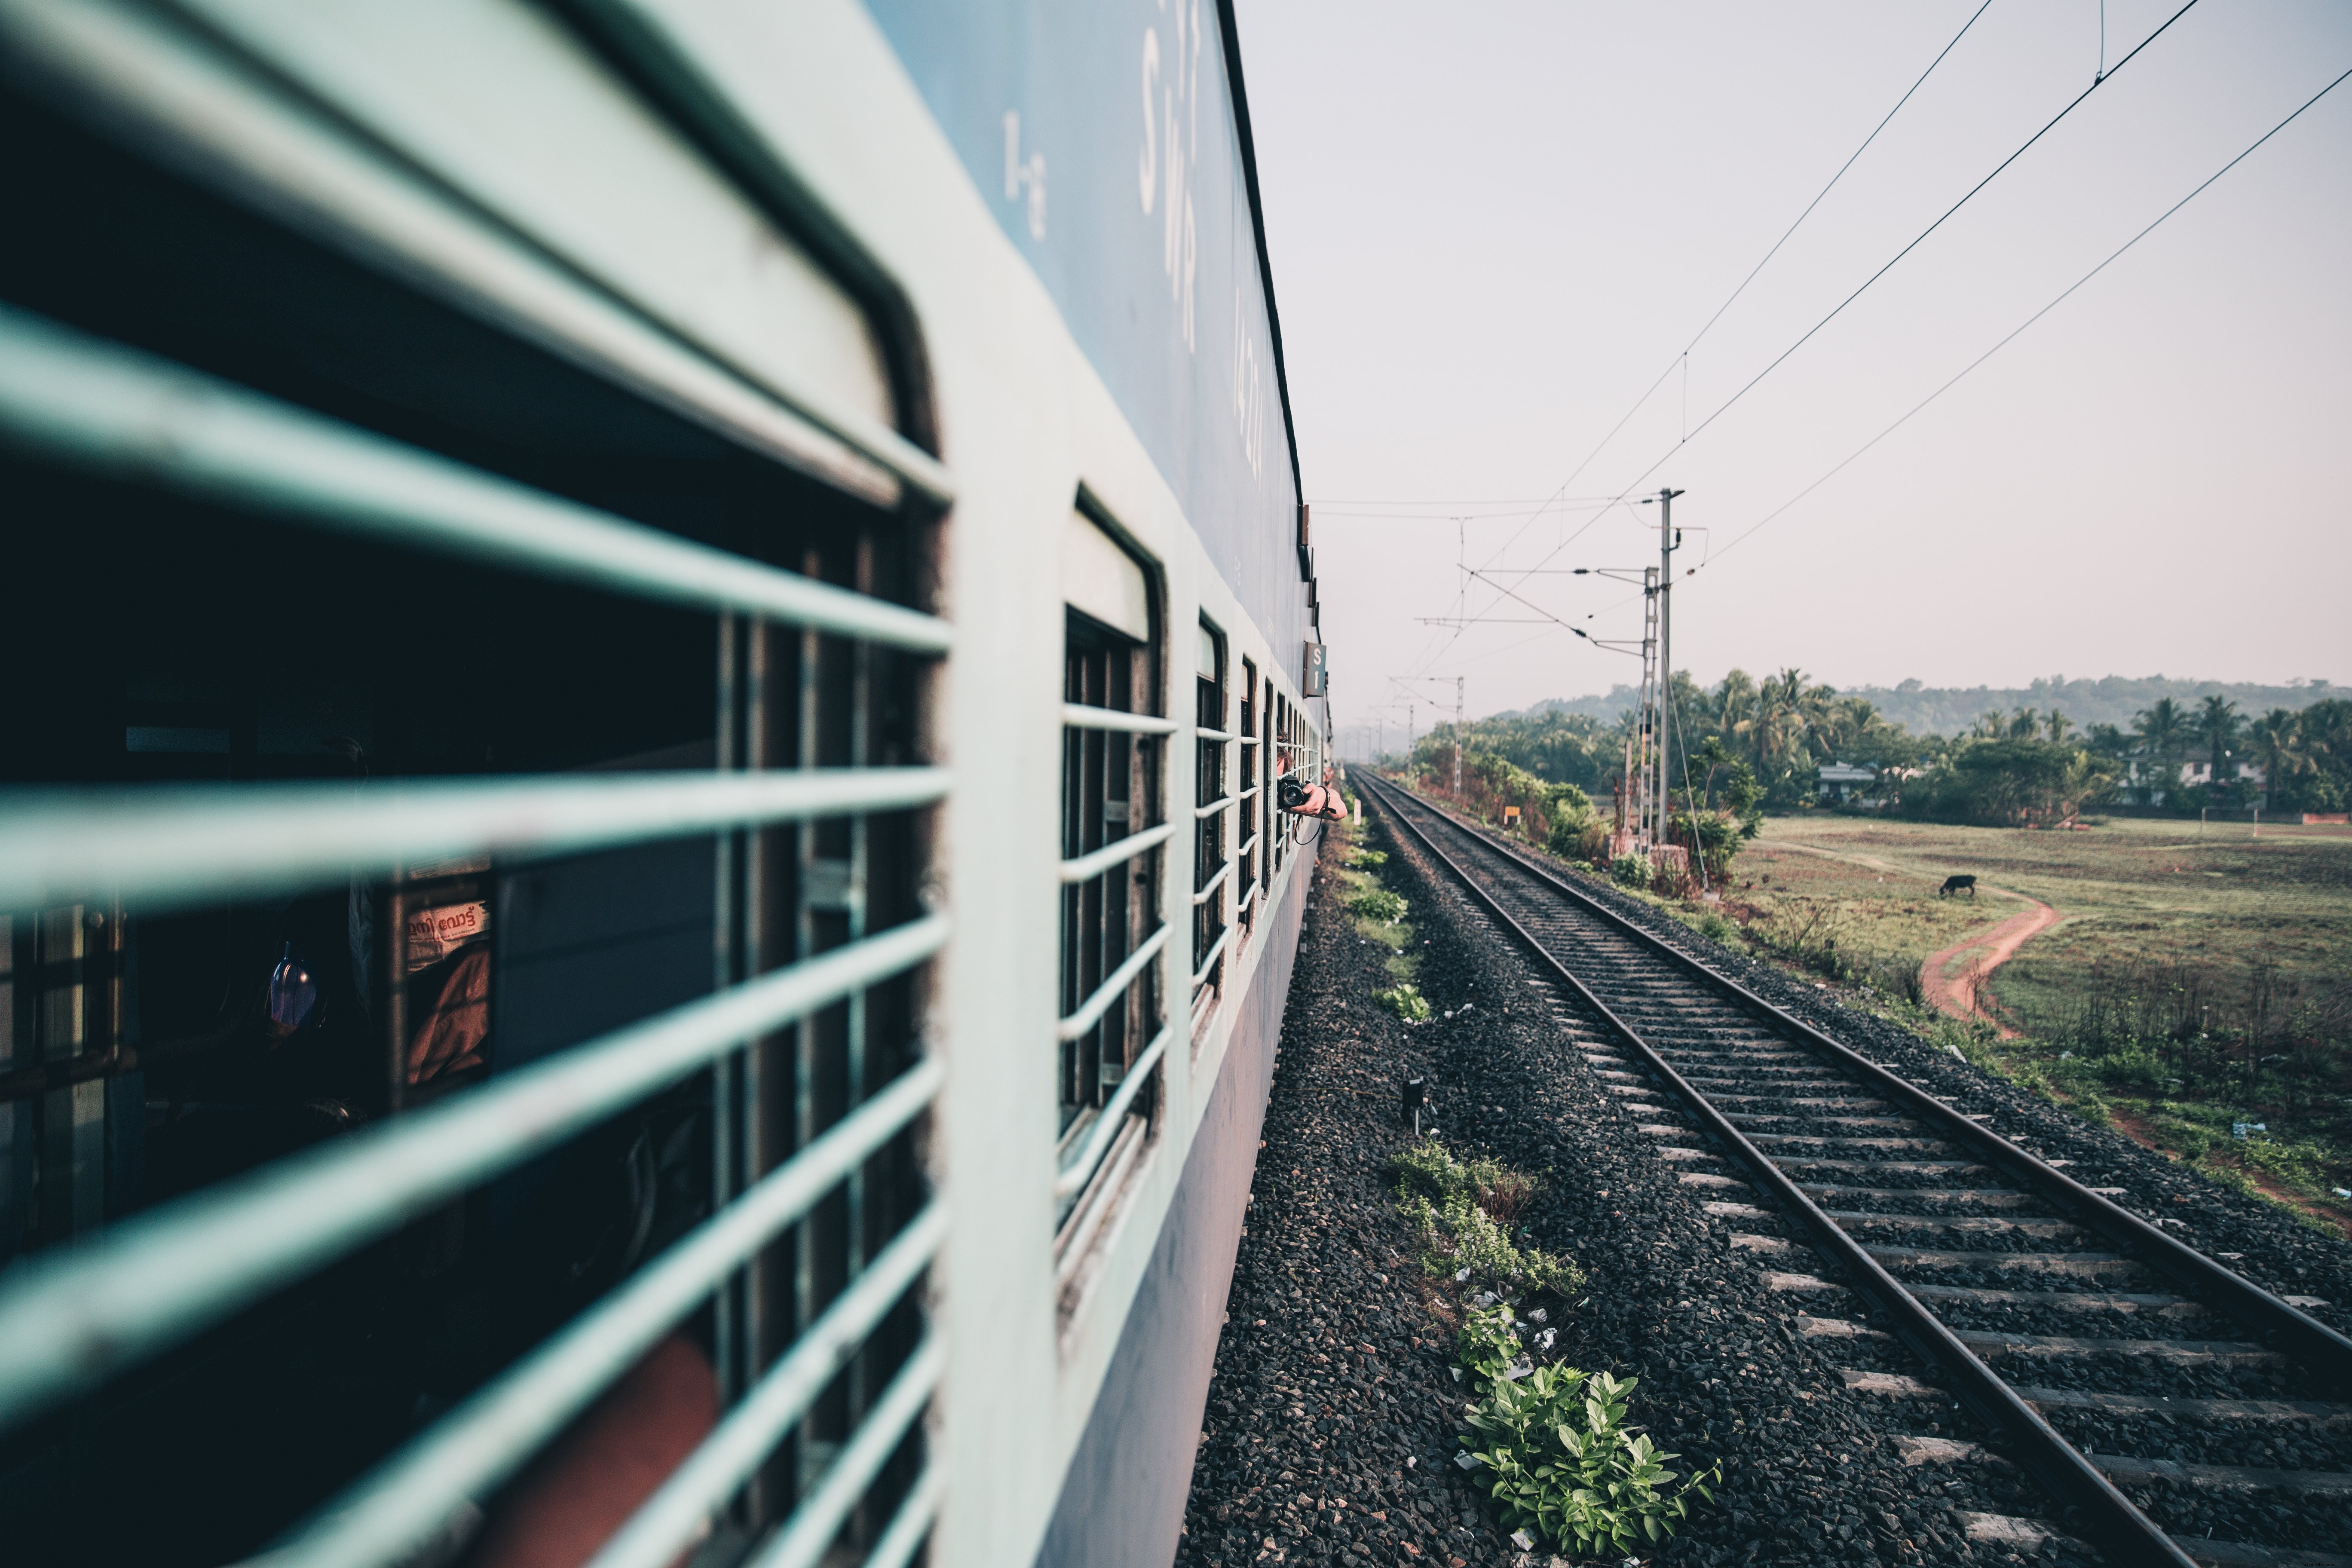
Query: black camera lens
{"points": [[1292, 793]]}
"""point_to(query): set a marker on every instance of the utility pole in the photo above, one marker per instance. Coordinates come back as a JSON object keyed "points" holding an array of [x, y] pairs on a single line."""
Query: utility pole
{"points": [[1667, 541], [1457, 737]]}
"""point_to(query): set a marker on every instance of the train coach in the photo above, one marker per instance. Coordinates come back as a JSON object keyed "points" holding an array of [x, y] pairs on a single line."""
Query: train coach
{"points": [[651, 649]]}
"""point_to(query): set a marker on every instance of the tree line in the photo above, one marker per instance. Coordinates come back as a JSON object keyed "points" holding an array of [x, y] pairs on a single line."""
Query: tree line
{"points": [[1767, 738]]}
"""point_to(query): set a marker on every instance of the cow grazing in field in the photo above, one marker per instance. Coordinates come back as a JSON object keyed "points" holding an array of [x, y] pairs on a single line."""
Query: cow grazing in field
{"points": [[1958, 885]]}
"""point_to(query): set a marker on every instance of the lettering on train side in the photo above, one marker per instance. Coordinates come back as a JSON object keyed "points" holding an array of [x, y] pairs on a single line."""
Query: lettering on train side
{"points": [[1172, 147], [1024, 175]]}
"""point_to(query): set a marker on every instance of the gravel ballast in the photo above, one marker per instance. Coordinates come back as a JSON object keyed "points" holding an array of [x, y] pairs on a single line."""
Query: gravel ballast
{"points": [[1332, 1418]]}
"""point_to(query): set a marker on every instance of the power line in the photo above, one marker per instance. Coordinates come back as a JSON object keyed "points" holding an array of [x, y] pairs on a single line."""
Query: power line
{"points": [[1923, 235], [2037, 315], [1683, 357], [1810, 332]]}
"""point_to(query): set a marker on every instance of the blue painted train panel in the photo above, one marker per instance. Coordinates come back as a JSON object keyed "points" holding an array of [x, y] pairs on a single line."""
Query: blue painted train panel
{"points": [[1103, 138]]}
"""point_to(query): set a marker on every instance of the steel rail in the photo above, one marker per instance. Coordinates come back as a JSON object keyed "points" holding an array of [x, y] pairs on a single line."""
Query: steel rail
{"points": [[2300, 1334], [2120, 1527]]}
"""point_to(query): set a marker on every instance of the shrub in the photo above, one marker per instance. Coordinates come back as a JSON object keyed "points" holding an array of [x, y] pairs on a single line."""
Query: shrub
{"points": [[1629, 871], [1452, 1207], [1489, 1341], [1405, 1001], [1561, 1464], [1379, 906], [1367, 860]]}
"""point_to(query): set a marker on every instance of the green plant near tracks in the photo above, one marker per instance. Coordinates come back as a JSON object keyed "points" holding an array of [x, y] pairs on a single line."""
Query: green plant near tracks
{"points": [[1367, 860], [1461, 1213], [1405, 1001], [1629, 871], [1561, 1461], [1379, 906], [1489, 1341]]}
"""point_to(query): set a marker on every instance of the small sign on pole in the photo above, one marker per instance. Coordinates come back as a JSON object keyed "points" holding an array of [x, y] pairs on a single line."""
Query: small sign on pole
{"points": [[1310, 675]]}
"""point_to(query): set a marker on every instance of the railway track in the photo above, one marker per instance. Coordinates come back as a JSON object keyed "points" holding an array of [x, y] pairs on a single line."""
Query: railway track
{"points": [[1895, 1223]]}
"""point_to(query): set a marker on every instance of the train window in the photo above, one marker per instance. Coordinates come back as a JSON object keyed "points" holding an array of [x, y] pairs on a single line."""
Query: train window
{"points": [[1275, 832], [1251, 796], [1112, 1030], [1212, 870], [414, 710]]}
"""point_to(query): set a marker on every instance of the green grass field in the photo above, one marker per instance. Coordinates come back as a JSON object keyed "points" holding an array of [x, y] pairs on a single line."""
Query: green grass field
{"points": [[2193, 981]]}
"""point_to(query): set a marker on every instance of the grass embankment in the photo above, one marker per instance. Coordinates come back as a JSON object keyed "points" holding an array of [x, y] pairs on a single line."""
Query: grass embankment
{"points": [[1379, 917], [2194, 982]]}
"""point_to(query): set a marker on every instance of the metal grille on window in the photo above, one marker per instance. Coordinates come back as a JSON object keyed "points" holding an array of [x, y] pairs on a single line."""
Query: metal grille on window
{"points": [[411, 712], [1250, 799], [1112, 1030], [1212, 870]]}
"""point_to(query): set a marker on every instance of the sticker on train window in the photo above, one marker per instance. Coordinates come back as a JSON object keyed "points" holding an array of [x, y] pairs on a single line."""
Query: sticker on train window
{"points": [[434, 934]]}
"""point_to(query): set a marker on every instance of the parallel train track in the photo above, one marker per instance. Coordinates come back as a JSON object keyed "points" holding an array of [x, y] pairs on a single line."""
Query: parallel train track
{"points": [[1865, 1165]]}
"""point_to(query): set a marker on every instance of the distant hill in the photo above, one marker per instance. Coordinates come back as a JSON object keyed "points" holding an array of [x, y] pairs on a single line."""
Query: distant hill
{"points": [[1948, 710]]}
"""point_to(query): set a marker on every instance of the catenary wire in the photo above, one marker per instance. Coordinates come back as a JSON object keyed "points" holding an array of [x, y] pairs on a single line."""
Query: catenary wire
{"points": [[1664, 457], [1682, 358], [2037, 315], [1726, 404]]}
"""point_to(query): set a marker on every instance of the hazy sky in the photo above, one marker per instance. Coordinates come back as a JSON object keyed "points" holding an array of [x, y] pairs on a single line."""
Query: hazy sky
{"points": [[1492, 224]]}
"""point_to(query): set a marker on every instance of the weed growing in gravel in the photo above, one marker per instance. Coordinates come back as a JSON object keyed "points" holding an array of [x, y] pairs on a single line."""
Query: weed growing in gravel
{"points": [[1489, 1341], [1629, 871], [1405, 1001], [1562, 1462], [1452, 1208], [1379, 914]]}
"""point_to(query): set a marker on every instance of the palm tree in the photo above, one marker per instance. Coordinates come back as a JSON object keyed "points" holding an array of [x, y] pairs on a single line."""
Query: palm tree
{"points": [[2057, 724], [2161, 728], [1989, 725], [2216, 726], [2277, 739], [2022, 727]]}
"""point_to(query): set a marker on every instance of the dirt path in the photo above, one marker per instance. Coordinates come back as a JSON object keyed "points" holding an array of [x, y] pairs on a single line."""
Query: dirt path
{"points": [[1957, 992]]}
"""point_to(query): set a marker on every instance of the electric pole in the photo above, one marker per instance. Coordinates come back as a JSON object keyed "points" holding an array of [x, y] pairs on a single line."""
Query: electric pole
{"points": [[1666, 545], [1457, 737]]}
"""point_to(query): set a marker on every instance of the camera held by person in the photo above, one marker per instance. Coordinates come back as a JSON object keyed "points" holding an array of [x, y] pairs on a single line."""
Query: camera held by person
{"points": [[1322, 800]]}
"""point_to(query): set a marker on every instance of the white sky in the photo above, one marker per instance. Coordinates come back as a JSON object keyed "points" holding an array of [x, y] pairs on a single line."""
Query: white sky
{"points": [[1492, 224]]}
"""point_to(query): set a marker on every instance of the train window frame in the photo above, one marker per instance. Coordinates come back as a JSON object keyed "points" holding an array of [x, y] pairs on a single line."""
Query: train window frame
{"points": [[1108, 1127], [1213, 807], [872, 650], [1250, 801]]}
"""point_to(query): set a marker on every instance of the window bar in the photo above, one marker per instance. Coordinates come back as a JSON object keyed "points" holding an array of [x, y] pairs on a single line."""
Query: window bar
{"points": [[1216, 951], [67, 1321], [803, 1540], [328, 183], [1079, 1168], [912, 1523], [1077, 1232], [1085, 716], [157, 845], [1118, 851], [667, 1523], [1112, 989], [467, 1453], [1215, 882], [100, 406]]}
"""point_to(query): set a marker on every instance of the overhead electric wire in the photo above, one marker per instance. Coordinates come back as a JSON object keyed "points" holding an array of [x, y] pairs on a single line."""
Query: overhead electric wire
{"points": [[1726, 404], [1683, 357], [2037, 315], [1721, 408]]}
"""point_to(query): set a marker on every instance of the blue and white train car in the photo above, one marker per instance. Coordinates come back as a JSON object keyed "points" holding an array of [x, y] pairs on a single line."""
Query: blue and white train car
{"points": [[650, 645]]}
